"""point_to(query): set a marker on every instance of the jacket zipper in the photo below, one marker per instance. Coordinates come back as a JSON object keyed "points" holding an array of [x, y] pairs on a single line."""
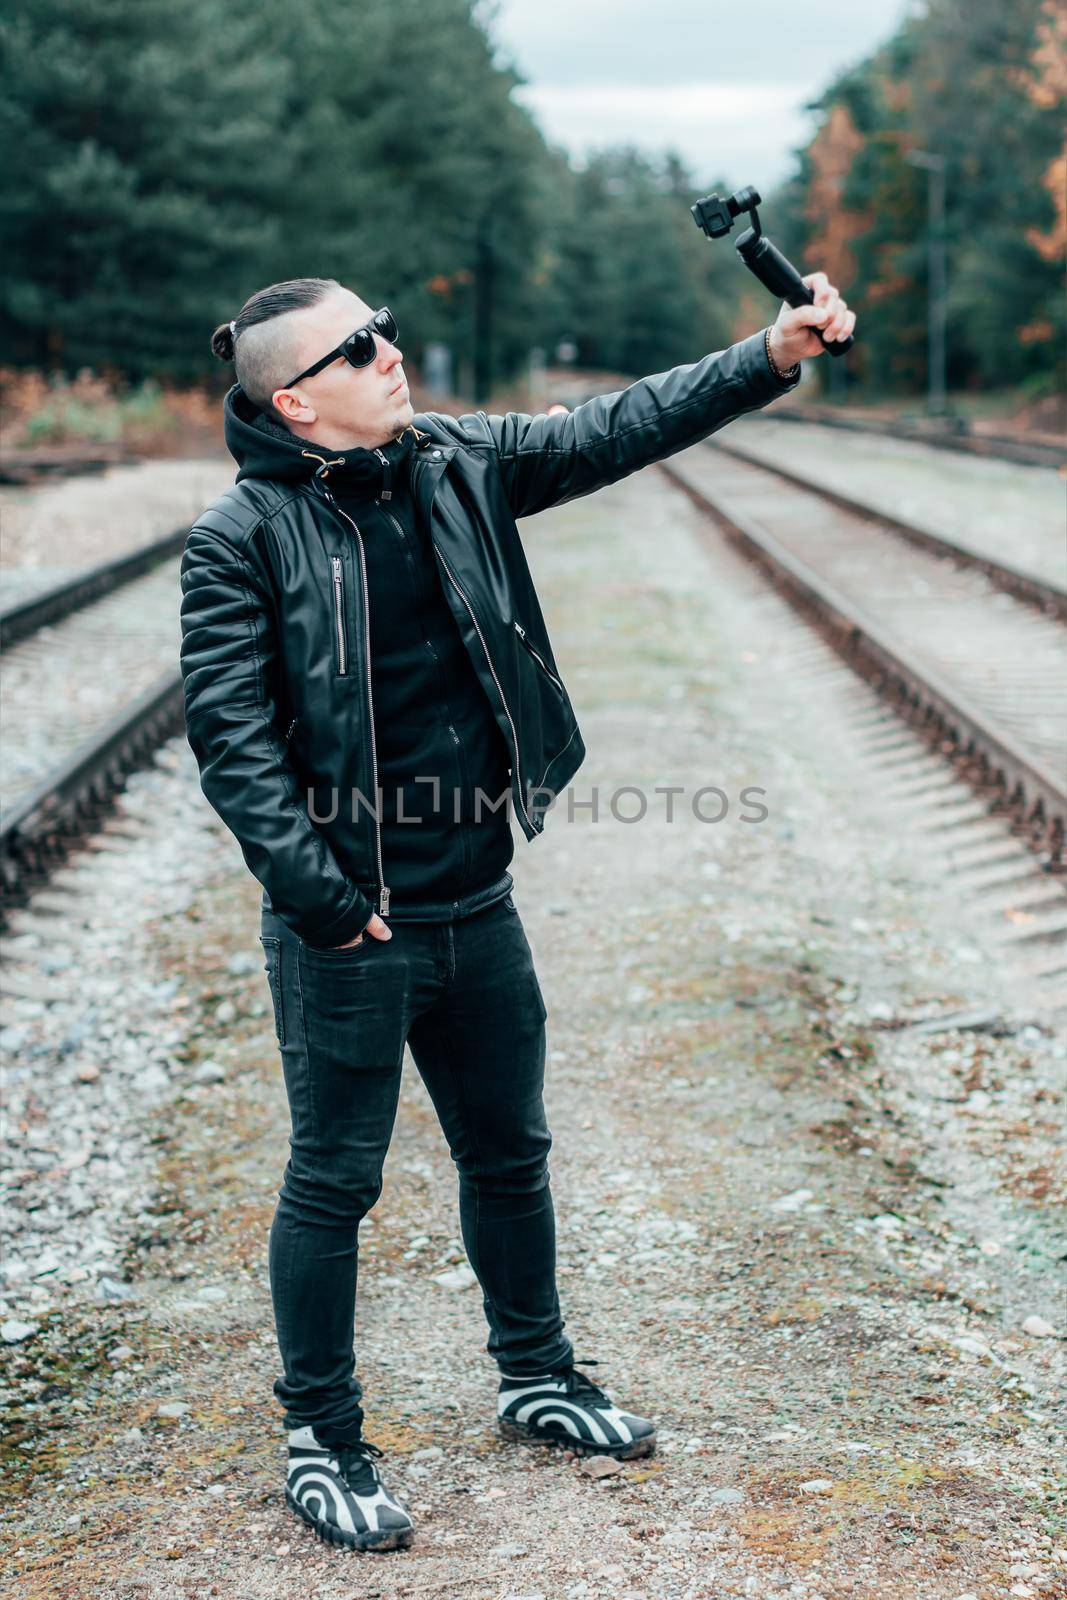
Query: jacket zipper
{"points": [[521, 631], [383, 889], [339, 614], [496, 680], [386, 491]]}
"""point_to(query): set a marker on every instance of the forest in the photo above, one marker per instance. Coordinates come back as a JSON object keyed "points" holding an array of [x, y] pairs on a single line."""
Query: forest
{"points": [[165, 162]]}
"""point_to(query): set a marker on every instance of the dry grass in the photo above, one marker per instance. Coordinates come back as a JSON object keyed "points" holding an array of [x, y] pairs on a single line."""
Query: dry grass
{"points": [[50, 412]]}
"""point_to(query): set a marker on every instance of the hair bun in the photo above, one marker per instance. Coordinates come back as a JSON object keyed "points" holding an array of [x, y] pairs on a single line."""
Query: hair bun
{"points": [[222, 341]]}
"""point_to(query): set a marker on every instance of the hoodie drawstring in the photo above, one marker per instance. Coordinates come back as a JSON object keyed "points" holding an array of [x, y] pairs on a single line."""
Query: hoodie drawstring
{"points": [[320, 472]]}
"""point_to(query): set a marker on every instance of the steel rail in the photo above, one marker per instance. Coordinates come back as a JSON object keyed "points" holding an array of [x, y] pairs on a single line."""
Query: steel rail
{"points": [[37, 831], [1034, 794], [24, 617], [992, 446], [1048, 597]]}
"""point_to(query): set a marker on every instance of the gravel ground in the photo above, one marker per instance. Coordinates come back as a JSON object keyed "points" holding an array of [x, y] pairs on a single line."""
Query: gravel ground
{"points": [[805, 1221], [53, 532], [998, 508]]}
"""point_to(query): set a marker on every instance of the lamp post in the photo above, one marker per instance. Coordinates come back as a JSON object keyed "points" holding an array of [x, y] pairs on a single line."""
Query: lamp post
{"points": [[934, 167], [483, 308]]}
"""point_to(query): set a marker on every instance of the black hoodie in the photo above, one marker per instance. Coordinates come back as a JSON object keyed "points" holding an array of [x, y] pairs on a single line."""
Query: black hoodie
{"points": [[432, 720]]}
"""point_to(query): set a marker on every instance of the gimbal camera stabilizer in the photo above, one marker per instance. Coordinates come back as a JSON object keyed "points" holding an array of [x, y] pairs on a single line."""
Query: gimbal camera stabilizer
{"points": [[716, 218]]}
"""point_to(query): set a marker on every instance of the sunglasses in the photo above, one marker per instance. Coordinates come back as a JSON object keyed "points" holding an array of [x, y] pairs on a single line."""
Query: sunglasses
{"points": [[359, 349]]}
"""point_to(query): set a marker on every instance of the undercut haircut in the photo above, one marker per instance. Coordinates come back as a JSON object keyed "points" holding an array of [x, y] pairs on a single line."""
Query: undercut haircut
{"points": [[264, 343]]}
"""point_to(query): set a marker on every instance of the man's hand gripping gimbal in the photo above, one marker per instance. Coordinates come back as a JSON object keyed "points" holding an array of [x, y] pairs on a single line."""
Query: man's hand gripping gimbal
{"points": [[716, 218]]}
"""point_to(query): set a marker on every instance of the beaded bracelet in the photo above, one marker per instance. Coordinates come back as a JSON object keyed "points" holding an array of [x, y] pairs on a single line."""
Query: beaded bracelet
{"points": [[790, 373]]}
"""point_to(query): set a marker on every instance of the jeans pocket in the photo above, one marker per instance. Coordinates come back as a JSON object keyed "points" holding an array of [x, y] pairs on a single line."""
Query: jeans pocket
{"points": [[340, 952], [272, 950]]}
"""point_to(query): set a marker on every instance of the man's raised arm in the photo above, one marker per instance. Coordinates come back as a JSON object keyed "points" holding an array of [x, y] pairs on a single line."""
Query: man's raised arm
{"points": [[546, 460]]}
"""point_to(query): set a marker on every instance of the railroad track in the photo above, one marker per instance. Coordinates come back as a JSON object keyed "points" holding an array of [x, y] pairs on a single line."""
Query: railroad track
{"points": [[91, 686], [28, 467], [1048, 596], [979, 670], [24, 617], [1033, 452]]}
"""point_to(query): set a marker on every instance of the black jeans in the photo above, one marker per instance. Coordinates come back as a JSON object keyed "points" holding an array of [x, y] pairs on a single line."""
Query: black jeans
{"points": [[464, 995]]}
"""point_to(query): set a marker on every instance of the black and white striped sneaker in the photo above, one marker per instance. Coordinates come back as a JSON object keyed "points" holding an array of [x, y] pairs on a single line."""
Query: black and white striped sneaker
{"points": [[567, 1409], [339, 1492]]}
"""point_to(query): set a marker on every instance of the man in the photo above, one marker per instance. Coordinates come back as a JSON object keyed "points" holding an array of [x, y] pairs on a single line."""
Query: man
{"points": [[370, 690]]}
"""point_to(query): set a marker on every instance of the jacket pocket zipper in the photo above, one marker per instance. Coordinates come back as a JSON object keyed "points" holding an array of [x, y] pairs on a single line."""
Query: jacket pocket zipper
{"points": [[383, 888], [339, 614], [521, 631]]}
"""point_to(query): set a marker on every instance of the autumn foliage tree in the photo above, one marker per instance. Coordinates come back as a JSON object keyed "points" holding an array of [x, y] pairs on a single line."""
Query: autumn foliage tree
{"points": [[983, 85], [165, 162]]}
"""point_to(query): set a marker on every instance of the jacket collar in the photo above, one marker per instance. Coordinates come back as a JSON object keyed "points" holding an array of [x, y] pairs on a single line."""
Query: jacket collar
{"points": [[264, 448]]}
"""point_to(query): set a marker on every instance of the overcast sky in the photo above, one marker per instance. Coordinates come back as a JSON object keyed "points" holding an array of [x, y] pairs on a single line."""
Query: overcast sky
{"points": [[723, 83]]}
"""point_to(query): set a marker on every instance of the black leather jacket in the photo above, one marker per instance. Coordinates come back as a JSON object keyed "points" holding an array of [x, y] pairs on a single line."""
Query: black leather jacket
{"points": [[276, 669]]}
